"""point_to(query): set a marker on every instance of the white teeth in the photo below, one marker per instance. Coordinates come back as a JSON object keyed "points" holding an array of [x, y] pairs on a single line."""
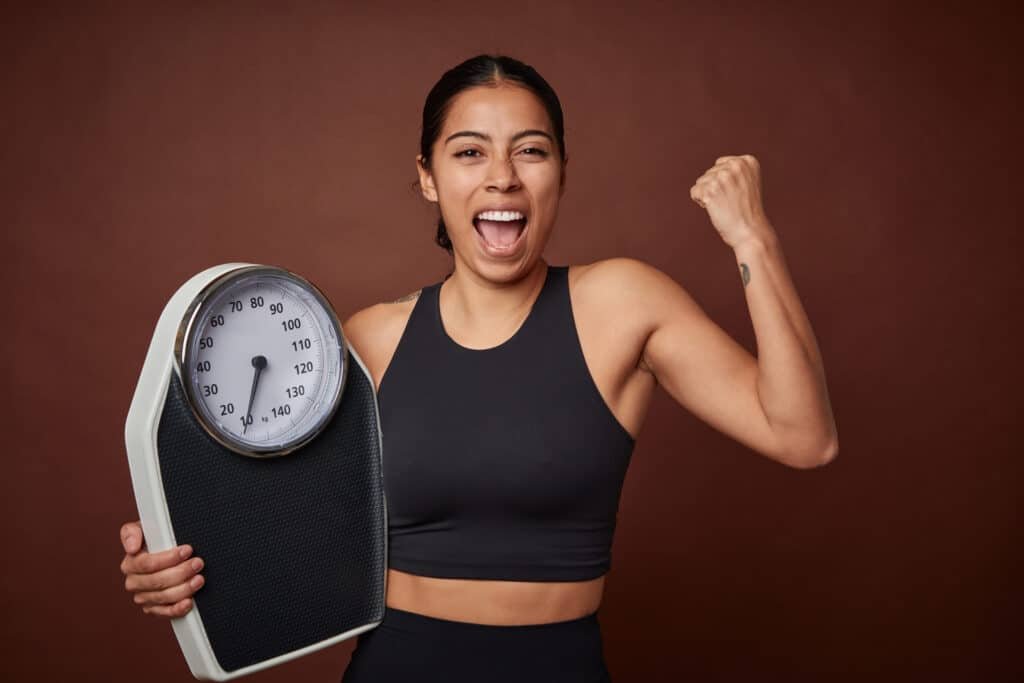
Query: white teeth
{"points": [[500, 216]]}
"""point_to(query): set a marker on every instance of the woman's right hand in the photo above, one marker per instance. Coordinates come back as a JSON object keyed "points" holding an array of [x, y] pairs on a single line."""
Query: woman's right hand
{"points": [[164, 582]]}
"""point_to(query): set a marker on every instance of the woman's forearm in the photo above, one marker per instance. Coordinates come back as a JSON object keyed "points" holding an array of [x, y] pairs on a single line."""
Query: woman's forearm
{"points": [[791, 376]]}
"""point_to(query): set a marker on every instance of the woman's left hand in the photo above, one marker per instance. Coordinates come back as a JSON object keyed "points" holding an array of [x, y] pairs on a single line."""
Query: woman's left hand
{"points": [[730, 191]]}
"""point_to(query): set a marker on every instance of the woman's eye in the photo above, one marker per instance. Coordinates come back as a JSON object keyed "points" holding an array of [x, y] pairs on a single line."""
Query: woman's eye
{"points": [[473, 153]]}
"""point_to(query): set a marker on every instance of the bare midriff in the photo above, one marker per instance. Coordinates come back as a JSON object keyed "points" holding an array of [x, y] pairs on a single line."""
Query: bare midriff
{"points": [[508, 603]]}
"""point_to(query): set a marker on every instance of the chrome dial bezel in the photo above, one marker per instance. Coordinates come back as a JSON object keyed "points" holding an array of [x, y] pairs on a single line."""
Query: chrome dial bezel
{"points": [[183, 353]]}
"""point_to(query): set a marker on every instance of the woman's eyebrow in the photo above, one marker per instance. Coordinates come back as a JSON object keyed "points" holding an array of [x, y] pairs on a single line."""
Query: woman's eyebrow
{"points": [[484, 136]]}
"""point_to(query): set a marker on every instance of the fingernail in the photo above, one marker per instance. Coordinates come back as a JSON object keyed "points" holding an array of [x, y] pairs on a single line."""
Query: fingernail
{"points": [[197, 564], [197, 581], [184, 551]]}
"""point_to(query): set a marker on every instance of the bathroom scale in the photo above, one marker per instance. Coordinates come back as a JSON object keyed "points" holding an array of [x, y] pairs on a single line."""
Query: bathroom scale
{"points": [[254, 436]]}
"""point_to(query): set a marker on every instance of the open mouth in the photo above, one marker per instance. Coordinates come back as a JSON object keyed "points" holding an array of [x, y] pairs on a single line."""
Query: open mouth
{"points": [[502, 230]]}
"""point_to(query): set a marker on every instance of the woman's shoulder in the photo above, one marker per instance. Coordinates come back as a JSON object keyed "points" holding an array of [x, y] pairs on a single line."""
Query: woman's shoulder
{"points": [[374, 331], [615, 278], [370, 320], [633, 293]]}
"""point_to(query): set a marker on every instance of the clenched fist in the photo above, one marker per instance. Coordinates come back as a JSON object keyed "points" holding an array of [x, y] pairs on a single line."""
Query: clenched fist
{"points": [[730, 191]]}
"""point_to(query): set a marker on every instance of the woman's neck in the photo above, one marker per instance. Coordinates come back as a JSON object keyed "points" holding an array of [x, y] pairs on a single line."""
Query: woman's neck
{"points": [[471, 302]]}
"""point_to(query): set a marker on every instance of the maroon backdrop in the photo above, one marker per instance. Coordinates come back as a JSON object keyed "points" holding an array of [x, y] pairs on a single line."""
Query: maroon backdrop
{"points": [[144, 144]]}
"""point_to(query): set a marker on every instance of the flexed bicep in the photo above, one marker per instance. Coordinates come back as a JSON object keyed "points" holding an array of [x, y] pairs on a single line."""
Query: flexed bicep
{"points": [[707, 371]]}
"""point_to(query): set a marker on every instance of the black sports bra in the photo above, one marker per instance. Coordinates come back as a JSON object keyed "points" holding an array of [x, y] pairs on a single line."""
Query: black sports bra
{"points": [[502, 463]]}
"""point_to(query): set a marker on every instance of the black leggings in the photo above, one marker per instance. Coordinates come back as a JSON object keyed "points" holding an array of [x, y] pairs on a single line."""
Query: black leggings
{"points": [[407, 646]]}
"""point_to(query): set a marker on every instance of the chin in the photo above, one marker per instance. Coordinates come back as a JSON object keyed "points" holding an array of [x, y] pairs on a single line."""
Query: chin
{"points": [[504, 271]]}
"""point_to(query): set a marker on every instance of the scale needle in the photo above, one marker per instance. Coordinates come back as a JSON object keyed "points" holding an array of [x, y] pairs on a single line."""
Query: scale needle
{"points": [[258, 362]]}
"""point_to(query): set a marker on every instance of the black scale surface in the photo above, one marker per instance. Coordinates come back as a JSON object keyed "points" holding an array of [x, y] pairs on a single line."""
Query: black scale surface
{"points": [[294, 547]]}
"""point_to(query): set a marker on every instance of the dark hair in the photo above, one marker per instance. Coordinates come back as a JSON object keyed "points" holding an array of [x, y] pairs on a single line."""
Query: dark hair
{"points": [[489, 70]]}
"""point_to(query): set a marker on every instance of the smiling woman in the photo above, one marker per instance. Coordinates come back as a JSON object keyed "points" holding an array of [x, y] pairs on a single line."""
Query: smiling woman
{"points": [[511, 394], [503, 128], [517, 162]]}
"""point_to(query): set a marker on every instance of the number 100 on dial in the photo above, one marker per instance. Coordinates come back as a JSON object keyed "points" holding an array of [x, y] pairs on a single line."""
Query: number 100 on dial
{"points": [[262, 359]]}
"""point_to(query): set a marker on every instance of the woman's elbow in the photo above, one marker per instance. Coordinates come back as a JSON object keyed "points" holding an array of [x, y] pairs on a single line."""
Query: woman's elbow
{"points": [[820, 456], [810, 453]]}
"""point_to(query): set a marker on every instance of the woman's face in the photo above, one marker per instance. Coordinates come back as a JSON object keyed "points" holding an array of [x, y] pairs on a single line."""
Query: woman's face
{"points": [[496, 151]]}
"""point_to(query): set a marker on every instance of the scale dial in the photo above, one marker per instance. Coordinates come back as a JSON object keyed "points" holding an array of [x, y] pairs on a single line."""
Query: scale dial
{"points": [[263, 361]]}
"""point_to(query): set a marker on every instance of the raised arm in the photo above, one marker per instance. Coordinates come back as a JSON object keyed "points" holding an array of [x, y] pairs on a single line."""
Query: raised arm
{"points": [[776, 403]]}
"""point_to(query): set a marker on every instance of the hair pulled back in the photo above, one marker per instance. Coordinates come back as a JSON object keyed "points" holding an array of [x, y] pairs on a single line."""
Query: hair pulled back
{"points": [[483, 70]]}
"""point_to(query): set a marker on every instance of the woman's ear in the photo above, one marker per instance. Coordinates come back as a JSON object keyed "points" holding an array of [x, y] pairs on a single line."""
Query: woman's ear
{"points": [[561, 180], [426, 180]]}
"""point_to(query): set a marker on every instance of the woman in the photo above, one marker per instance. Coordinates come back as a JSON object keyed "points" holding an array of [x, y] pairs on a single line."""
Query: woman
{"points": [[514, 391]]}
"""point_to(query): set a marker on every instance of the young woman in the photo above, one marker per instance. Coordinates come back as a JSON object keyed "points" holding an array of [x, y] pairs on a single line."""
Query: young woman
{"points": [[511, 394]]}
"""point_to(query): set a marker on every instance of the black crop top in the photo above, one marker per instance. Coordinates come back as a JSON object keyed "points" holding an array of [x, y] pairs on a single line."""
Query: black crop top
{"points": [[501, 463]]}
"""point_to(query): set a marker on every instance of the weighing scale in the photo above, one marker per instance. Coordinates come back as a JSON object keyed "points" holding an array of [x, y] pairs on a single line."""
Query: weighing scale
{"points": [[254, 436]]}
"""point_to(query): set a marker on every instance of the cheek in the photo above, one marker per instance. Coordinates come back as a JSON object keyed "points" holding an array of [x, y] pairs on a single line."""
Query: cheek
{"points": [[453, 196], [457, 192], [547, 200], [542, 180]]}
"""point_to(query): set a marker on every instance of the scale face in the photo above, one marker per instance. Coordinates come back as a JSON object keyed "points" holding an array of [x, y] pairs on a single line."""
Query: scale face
{"points": [[254, 436], [262, 360]]}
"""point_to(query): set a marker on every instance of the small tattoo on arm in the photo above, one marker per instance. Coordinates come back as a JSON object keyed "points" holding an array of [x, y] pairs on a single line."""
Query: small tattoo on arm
{"points": [[745, 273], [407, 297]]}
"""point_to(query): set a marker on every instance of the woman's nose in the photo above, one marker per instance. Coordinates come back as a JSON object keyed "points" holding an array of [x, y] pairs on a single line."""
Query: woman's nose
{"points": [[502, 175]]}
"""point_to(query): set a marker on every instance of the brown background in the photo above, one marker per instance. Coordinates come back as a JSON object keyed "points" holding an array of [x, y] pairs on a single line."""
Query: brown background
{"points": [[143, 145]]}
